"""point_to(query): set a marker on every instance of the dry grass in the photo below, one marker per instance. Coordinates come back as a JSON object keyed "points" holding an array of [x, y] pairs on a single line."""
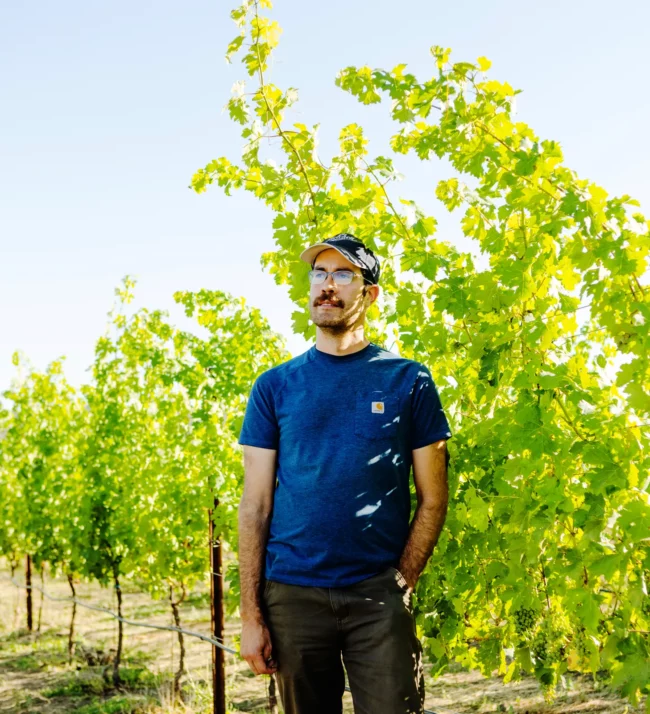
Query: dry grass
{"points": [[35, 676]]}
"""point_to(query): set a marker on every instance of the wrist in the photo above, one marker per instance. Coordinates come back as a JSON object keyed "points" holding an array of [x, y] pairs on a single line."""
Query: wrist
{"points": [[409, 577], [251, 616]]}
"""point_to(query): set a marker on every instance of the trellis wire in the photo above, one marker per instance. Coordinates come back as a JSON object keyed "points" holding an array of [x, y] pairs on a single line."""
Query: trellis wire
{"points": [[171, 628]]}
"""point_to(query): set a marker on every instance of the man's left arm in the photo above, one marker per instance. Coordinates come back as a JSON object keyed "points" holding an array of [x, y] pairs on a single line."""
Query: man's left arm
{"points": [[430, 477]]}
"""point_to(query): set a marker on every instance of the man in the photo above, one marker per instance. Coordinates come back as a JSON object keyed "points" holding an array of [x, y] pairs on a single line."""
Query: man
{"points": [[328, 561]]}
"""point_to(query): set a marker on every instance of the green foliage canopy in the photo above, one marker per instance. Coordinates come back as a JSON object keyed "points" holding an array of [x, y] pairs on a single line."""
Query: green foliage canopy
{"points": [[545, 550]]}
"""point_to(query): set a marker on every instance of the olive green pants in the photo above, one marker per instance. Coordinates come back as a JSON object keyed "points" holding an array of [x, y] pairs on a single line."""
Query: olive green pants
{"points": [[368, 627]]}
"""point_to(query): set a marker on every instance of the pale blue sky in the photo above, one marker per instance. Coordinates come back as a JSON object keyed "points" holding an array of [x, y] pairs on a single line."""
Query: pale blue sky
{"points": [[108, 108]]}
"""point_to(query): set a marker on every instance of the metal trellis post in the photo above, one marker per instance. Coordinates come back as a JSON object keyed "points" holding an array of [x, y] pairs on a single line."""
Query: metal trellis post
{"points": [[217, 619]]}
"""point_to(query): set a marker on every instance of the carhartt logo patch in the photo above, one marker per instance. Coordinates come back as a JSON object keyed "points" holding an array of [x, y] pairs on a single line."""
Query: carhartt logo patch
{"points": [[377, 407]]}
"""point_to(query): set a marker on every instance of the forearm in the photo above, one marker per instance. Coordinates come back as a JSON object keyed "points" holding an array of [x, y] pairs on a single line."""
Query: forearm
{"points": [[424, 531], [253, 535]]}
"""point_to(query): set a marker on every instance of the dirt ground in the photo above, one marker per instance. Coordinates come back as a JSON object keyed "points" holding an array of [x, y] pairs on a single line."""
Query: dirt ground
{"points": [[35, 676]]}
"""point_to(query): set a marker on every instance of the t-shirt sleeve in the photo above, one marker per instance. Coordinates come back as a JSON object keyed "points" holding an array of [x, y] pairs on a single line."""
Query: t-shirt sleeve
{"points": [[260, 426], [428, 420]]}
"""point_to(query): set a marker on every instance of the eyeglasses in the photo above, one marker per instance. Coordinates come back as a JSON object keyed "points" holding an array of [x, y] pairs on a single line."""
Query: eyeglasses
{"points": [[341, 277]]}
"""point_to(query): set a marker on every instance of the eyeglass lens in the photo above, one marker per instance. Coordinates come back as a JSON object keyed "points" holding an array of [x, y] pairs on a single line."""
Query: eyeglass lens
{"points": [[341, 277]]}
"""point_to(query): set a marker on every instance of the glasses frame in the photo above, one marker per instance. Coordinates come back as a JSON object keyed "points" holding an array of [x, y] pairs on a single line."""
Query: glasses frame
{"points": [[332, 273]]}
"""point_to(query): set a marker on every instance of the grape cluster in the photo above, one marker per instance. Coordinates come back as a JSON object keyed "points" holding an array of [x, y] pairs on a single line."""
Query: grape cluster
{"points": [[525, 619], [551, 640], [539, 647]]}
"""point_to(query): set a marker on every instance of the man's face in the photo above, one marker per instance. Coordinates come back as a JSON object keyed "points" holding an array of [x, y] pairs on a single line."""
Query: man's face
{"points": [[339, 308]]}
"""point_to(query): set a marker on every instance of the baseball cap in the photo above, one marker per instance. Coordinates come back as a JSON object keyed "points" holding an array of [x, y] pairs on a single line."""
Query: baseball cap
{"points": [[351, 248]]}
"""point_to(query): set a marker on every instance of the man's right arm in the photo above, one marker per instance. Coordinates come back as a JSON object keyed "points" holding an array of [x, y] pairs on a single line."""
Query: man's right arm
{"points": [[255, 510]]}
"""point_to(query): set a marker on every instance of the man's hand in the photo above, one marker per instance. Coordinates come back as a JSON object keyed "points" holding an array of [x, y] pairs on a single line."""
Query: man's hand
{"points": [[256, 647]]}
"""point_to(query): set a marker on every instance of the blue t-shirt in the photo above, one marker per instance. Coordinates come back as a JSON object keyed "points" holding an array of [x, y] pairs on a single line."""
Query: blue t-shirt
{"points": [[344, 428]]}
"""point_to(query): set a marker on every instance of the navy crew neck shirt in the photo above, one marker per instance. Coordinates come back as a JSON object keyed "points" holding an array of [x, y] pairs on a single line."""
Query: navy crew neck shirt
{"points": [[344, 428]]}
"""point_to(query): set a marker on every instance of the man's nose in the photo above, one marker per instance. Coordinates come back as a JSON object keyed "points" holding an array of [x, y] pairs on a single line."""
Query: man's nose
{"points": [[328, 284]]}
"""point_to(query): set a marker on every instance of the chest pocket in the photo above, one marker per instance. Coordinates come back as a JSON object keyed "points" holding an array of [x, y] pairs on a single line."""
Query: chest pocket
{"points": [[376, 414]]}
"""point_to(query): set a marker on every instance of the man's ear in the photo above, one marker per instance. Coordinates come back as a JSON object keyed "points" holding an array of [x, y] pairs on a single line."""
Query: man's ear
{"points": [[370, 292]]}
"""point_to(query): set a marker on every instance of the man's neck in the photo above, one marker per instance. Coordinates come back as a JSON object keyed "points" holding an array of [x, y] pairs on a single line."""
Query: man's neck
{"points": [[340, 345]]}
